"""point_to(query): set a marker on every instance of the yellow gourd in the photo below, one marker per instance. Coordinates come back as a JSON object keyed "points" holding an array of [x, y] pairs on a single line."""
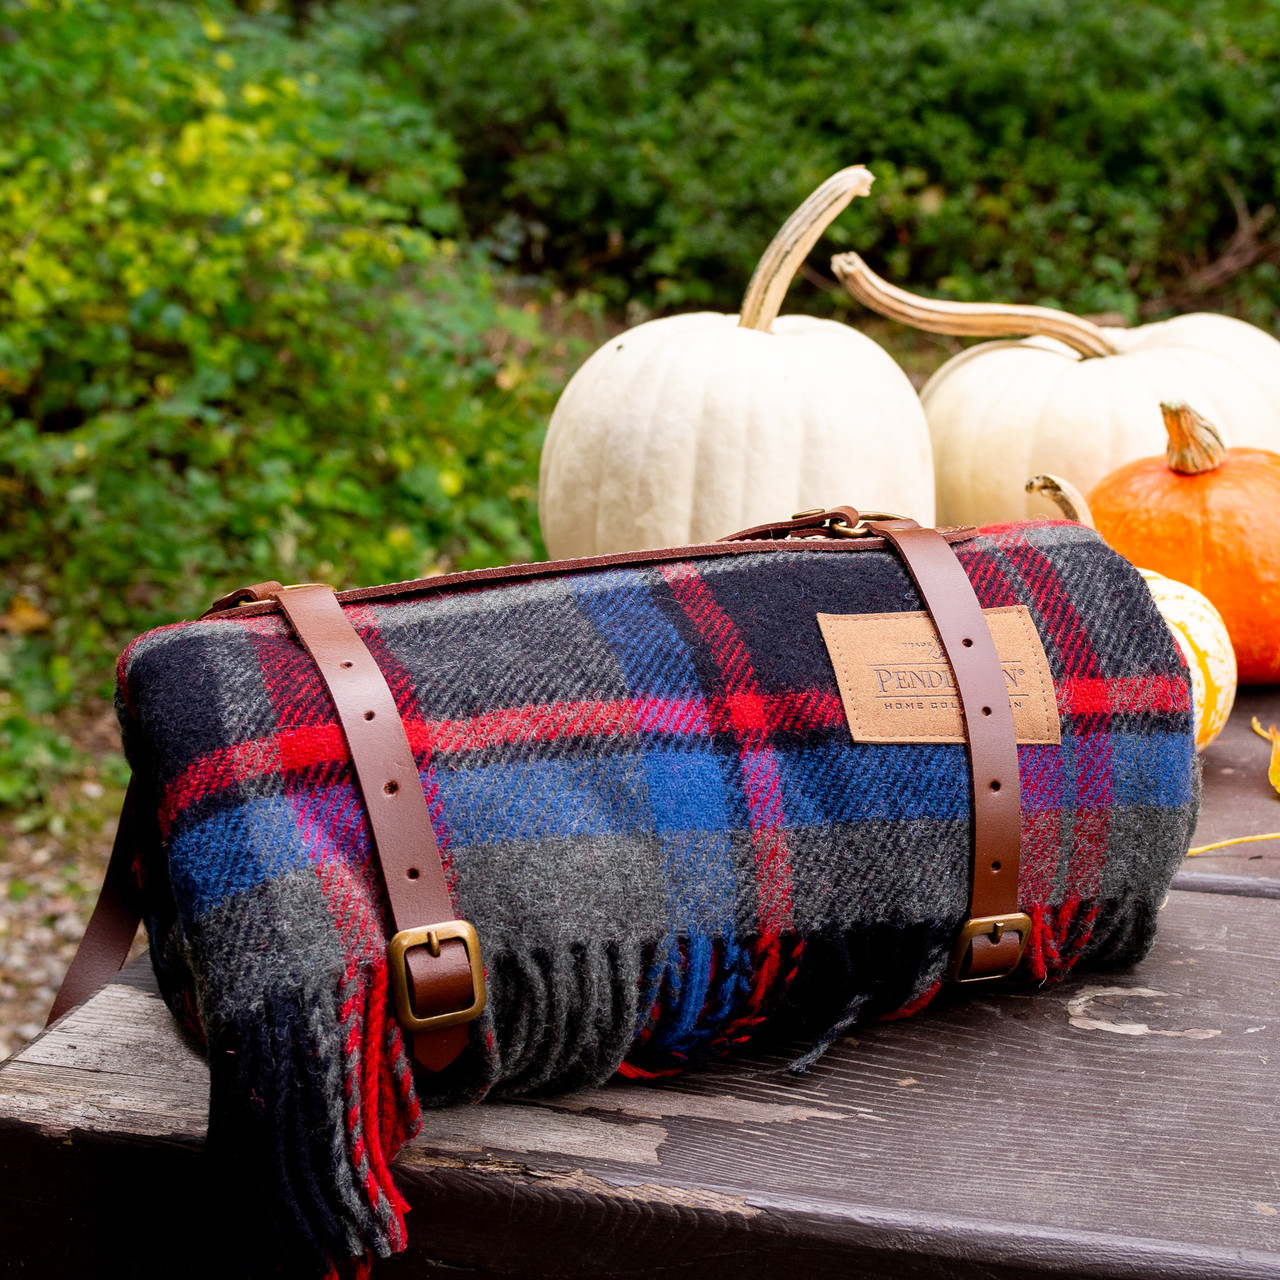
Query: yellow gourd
{"points": [[1202, 636]]}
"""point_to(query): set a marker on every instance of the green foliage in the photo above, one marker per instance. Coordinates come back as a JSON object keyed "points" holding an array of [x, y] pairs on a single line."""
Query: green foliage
{"points": [[236, 342], [1080, 153], [32, 758], [243, 334]]}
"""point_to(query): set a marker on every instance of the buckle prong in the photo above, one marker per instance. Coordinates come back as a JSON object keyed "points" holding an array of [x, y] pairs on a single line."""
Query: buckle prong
{"points": [[430, 936], [993, 927]]}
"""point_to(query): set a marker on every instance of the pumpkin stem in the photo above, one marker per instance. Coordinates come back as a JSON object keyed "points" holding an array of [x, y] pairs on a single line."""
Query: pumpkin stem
{"points": [[795, 240], [1069, 500], [1194, 443], [968, 319]]}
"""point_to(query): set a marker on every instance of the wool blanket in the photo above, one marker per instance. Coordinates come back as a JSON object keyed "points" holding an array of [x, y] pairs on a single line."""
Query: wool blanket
{"points": [[651, 808]]}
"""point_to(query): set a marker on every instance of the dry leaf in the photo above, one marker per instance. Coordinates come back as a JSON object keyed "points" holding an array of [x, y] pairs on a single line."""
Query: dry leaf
{"points": [[23, 617], [1273, 736]]}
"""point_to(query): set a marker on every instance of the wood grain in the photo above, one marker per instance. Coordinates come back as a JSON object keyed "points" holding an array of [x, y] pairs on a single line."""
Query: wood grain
{"points": [[1238, 800], [1070, 1131]]}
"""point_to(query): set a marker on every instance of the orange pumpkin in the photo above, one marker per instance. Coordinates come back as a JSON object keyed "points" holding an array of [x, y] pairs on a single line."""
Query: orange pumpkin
{"points": [[1208, 516]]}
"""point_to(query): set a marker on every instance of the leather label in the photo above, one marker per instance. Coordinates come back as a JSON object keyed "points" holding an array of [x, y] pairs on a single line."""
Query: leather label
{"points": [[897, 685]]}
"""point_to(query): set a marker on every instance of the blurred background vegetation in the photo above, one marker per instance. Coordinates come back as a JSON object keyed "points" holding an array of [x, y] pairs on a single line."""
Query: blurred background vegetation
{"points": [[1078, 153], [289, 290]]}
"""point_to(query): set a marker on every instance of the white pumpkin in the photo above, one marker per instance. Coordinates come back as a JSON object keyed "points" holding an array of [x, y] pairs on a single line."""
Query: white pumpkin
{"points": [[1077, 399], [687, 428]]}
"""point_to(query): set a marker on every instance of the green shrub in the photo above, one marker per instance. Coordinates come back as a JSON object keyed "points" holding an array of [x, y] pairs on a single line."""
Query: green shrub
{"points": [[236, 341], [32, 758], [1080, 153]]}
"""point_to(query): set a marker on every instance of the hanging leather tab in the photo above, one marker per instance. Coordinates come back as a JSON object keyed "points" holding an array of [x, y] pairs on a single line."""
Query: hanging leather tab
{"points": [[434, 964], [113, 925], [993, 938]]}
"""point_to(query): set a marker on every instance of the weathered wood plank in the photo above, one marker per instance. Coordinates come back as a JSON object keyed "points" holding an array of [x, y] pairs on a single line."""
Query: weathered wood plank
{"points": [[1118, 1125], [1238, 800], [590, 1233]]}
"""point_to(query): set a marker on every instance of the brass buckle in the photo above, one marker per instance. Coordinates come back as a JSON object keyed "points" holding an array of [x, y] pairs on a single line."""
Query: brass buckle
{"points": [[431, 936], [996, 927]]}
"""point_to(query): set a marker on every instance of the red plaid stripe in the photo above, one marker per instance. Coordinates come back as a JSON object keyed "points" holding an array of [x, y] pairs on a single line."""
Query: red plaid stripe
{"points": [[1065, 631], [746, 708], [298, 750], [1093, 695]]}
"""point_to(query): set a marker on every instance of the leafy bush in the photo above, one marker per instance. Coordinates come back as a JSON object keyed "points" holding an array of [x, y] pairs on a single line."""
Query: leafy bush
{"points": [[236, 341], [1080, 153], [32, 757]]}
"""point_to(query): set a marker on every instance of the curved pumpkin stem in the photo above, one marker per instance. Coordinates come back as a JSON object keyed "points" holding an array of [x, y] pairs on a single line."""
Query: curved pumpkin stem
{"points": [[968, 319], [1194, 443], [1069, 500], [795, 240]]}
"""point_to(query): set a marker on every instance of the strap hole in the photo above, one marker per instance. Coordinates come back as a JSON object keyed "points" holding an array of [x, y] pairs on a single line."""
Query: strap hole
{"points": [[368, 715], [413, 873], [345, 665], [995, 866], [986, 711], [968, 644], [995, 786], [391, 788]]}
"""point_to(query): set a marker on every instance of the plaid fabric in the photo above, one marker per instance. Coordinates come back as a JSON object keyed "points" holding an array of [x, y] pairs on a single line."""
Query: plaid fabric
{"points": [[650, 807]]}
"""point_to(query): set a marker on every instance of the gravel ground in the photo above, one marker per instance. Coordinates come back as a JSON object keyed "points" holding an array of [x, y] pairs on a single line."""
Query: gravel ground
{"points": [[49, 879]]}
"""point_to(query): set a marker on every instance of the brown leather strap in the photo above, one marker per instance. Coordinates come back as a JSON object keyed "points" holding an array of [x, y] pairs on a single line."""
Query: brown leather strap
{"points": [[993, 750], [405, 843], [113, 925]]}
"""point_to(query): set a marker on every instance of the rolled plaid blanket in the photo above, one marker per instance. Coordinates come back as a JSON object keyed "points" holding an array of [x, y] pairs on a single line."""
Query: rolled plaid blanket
{"points": [[649, 804]]}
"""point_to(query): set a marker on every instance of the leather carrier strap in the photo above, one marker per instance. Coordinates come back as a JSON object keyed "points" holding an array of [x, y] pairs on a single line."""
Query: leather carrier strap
{"points": [[993, 939], [113, 925], [434, 961]]}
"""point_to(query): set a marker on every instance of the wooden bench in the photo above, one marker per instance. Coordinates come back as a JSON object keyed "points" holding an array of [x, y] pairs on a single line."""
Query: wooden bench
{"points": [[1115, 1125]]}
